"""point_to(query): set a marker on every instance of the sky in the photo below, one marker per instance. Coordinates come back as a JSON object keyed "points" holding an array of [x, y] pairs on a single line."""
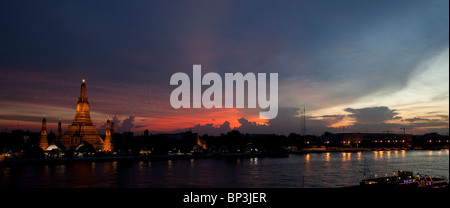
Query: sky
{"points": [[355, 66]]}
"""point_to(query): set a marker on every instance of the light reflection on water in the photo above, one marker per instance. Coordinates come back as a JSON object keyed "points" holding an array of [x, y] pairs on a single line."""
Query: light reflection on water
{"points": [[323, 170]]}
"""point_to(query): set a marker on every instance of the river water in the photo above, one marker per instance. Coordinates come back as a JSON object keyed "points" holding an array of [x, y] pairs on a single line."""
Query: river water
{"points": [[315, 170]]}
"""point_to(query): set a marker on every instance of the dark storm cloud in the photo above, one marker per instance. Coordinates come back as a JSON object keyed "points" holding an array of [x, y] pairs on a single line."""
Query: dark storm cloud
{"points": [[127, 124], [122, 126], [330, 40], [372, 115], [355, 57]]}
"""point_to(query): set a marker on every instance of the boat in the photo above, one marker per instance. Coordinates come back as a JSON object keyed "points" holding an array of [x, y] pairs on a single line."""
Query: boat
{"points": [[406, 179]]}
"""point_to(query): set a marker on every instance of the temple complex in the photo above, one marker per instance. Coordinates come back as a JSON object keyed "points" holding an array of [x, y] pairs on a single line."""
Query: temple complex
{"points": [[82, 131]]}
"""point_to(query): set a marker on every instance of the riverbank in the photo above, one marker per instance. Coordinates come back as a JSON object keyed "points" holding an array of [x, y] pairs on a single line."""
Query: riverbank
{"points": [[140, 157], [346, 149], [188, 156]]}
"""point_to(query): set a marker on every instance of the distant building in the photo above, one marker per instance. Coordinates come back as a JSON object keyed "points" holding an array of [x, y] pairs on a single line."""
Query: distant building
{"points": [[181, 136], [367, 139], [431, 141]]}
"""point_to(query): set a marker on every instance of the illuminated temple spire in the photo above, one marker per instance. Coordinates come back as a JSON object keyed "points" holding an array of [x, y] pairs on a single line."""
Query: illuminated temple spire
{"points": [[83, 115], [43, 142], [82, 130], [108, 137], [83, 91]]}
